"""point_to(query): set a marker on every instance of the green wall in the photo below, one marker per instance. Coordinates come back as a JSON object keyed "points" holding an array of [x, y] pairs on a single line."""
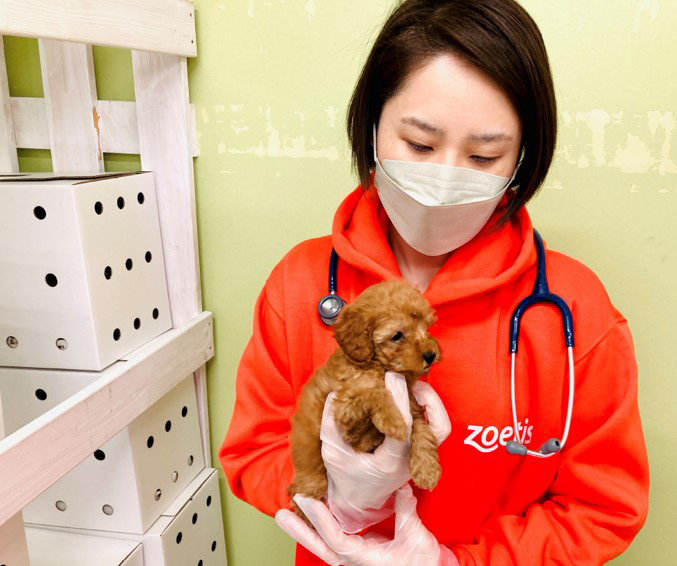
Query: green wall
{"points": [[271, 83]]}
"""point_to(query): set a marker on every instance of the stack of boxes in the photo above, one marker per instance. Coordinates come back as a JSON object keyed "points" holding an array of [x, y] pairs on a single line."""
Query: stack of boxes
{"points": [[83, 284]]}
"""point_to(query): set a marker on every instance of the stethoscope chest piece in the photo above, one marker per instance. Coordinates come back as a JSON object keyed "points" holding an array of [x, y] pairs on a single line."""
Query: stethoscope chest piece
{"points": [[330, 307]]}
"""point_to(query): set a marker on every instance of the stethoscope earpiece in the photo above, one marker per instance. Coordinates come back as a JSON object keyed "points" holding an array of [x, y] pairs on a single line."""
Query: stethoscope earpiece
{"points": [[552, 446], [516, 448]]}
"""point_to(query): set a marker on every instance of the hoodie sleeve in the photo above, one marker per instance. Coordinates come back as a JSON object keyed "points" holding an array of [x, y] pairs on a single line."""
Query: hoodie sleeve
{"points": [[599, 498], [255, 453]]}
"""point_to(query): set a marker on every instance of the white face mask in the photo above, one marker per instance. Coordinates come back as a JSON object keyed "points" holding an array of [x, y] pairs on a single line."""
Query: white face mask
{"points": [[437, 208]]}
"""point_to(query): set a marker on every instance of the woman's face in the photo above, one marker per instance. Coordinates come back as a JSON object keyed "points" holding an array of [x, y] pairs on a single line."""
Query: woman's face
{"points": [[449, 112]]}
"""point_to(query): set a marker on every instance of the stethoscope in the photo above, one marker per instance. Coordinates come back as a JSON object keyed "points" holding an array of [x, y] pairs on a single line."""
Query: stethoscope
{"points": [[330, 306]]}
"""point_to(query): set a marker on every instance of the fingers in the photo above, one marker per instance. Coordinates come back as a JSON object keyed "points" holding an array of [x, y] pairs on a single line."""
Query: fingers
{"points": [[405, 511], [397, 385], [335, 451], [438, 419], [327, 527], [294, 526]]}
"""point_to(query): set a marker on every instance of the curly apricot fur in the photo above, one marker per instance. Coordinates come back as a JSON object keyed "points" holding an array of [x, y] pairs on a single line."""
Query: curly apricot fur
{"points": [[385, 329]]}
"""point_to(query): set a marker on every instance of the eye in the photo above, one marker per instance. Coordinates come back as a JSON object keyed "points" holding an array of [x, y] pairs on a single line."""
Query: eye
{"points": [[419, 148], [481, 159], [397, 337]]}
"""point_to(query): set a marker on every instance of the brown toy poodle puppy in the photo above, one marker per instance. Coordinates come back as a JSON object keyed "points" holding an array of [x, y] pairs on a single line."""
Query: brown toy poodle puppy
{"points": [[385, 329]]}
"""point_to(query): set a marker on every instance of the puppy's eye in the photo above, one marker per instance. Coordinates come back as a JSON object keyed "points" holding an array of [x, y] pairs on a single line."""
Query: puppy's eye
{"points": [[397, 336]]}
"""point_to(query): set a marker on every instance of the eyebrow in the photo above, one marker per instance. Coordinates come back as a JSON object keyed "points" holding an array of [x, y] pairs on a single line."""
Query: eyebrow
{"points": [[429, 128], [496, 137], [423, 125]]}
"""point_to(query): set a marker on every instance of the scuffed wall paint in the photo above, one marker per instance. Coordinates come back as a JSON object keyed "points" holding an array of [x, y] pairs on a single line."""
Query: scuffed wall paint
{"points": [[599, 141]]}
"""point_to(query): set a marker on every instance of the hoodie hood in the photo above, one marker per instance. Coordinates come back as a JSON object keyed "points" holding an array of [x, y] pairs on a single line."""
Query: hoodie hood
{"points": [[491, 259]]}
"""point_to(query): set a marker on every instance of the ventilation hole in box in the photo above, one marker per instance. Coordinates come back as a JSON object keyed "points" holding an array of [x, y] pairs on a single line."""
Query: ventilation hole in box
{"points": [[199, 563], [168, 426], [184, 411], [190, 460], [150, 442], [179, 537], [51, 279], [209, 501], [108, 272], [61, 505], [116, 334], [98, 207], [156, 313], [40, 213], [107, 509], [41, 394], [149, 256], [175, 476], [158, 494], [137, 323], [12, 342], [129, 264], [100, 455], [140, 198], [62, 344], [213, 545], [121, 203], [194, 518]]}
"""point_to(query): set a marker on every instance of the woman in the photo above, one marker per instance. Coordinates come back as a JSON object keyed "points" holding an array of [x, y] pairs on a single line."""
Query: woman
{"points": [[454, 113]]}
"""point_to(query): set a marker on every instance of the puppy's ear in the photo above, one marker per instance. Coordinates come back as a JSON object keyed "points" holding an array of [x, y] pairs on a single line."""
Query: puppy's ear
{"points": [[353, 333]]}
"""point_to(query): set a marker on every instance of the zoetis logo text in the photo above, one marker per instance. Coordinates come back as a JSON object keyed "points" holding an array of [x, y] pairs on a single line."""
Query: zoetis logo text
{"points": [[487, 439]]}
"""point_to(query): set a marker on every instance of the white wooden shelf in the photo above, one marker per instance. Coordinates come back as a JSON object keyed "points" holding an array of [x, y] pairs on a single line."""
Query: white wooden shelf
{"points": [[165, 26], [38, 454], [78, 129]]}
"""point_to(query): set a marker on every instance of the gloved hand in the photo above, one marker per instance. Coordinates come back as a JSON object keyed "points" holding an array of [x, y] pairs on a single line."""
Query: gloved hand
{"points": [[413, 545], [361, 485]]}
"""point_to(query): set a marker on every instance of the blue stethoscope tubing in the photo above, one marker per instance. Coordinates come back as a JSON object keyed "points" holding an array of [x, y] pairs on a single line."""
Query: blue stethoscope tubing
{"points": [[330, 306], [541, 294]]}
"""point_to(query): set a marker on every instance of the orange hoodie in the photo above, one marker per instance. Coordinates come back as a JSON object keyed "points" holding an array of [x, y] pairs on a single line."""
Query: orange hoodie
{"points": [[582, 506]]}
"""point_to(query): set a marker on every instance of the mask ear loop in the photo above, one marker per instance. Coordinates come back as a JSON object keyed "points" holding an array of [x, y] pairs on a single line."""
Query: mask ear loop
{"points": [[373, 137], [514, 174]]}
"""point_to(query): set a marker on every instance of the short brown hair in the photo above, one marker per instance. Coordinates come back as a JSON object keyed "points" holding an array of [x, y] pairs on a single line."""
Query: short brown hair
{"points": [[497, 37]]}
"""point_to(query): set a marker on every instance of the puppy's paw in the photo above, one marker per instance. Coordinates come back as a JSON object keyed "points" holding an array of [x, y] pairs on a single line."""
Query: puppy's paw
{"points": [[391, 423], [314, 486], [425, 470]]}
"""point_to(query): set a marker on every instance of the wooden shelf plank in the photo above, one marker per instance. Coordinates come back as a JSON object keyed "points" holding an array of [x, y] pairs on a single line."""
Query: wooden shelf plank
{"points": [[70, 98], [9, 162], [117, 125], [164, 26], [37, 455]]}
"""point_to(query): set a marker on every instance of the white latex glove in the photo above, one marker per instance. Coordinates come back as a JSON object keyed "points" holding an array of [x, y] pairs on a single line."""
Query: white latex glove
{"points": [[361, 485], [413, 545]]}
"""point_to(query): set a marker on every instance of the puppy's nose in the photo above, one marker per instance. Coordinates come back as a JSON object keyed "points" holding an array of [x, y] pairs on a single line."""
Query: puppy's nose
{"points": [[429, 357]]}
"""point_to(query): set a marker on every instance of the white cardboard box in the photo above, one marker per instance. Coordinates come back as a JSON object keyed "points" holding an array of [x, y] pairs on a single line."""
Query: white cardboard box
{"points": [[28, 393], [189, 532], [129, 481], [55, 548], [83, 277]]}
